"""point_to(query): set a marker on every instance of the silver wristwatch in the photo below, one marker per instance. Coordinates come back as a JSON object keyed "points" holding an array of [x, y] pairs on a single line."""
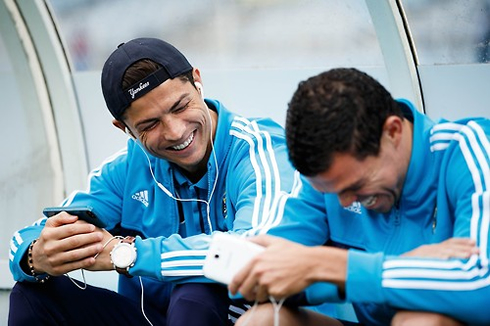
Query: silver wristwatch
{"points": [[123, 255]]}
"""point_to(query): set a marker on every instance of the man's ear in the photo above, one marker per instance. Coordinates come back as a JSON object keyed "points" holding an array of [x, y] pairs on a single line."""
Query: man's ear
{"points": [[119, 125], [196, 74], [393, 128]]}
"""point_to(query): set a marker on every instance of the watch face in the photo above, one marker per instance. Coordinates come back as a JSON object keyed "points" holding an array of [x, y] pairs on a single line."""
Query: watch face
{"points": [[123, 255]]}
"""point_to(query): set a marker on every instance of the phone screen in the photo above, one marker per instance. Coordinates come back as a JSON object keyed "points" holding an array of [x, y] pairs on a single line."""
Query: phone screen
{"points": [[85, 213]]}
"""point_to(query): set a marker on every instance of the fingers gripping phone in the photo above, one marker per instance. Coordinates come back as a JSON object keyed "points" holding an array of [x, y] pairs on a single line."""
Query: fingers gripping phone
{"points": [[85, 213], [227, 255]]}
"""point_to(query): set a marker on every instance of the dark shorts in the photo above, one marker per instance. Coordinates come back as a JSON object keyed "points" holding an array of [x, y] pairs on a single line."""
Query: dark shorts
{"points": [[60, 302]]}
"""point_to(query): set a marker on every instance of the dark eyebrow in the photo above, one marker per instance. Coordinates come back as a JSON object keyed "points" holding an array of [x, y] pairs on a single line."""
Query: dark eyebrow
{"points": [[176, 104]]}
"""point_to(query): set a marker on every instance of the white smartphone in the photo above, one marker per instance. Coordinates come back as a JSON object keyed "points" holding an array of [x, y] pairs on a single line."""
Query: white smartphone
{"points": [[227, 255]]}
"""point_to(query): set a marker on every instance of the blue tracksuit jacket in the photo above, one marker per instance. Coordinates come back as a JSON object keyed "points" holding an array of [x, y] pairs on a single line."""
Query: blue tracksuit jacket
{"points": [[446, 194], [253, 173]]}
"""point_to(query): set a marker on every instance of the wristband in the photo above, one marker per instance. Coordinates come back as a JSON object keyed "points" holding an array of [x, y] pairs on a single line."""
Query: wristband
{"points": [[36, 276]]}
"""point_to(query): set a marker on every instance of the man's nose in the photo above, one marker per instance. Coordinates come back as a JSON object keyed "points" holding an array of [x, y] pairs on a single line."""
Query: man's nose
{"points": [[173, 129]]}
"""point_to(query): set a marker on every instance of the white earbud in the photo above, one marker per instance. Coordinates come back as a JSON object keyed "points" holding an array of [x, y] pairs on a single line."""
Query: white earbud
{"points": [[199, 88]]}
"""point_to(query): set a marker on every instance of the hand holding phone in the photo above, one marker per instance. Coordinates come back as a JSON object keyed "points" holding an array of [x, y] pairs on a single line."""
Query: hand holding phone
{"points": [[227, 255], [84, 213]]}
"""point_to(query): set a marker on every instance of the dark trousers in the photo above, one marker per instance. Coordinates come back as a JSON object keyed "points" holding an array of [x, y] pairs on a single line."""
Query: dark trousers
{"points": [[60, 302]]}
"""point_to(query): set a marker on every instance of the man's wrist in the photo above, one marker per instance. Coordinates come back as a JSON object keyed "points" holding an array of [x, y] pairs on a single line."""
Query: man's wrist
{"points": [[30, 264], [24, 265], [333, 268]]}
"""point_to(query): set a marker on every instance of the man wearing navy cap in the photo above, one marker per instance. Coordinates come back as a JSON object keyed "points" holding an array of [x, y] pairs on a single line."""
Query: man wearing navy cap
{"points": [[191, 168]]}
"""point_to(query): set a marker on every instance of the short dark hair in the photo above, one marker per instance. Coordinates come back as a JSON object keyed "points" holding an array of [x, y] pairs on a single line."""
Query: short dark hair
{"points": [[143, 68], [339, 111]]}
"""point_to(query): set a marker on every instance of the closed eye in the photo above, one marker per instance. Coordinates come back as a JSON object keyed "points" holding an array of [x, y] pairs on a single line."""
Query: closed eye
{"points": [[147, 126], [181, 108]]}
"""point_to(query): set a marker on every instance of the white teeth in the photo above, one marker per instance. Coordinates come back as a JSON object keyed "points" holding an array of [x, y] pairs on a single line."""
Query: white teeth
{"points": [[184, 144], [369, 201]]}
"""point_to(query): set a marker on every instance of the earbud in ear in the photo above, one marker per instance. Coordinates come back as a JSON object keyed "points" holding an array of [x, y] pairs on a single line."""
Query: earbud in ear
{"points": [[199, 88]]}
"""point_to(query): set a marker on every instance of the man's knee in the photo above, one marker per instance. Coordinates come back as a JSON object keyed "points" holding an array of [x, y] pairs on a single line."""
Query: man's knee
{"points": [[20, 312], [206, 304], [259, 315], [265, 314], [25, 305], [416, 318], [23, 293]]}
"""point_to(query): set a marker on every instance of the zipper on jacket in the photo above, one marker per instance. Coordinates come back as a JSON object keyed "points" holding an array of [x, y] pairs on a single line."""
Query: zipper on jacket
{"points": [[392, 243], [210, 210], [397, 215], [397, 221], [434, 220], [178, 208]]}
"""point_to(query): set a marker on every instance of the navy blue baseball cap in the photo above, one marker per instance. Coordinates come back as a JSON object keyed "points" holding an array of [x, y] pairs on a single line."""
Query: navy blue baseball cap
{"points": [[172, 61]]}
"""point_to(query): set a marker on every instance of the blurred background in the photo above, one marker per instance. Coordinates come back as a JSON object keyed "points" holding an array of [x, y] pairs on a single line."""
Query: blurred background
{"points": [[252, 54]]}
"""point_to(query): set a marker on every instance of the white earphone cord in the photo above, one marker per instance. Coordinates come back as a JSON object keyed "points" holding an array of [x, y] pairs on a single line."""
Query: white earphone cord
{"points": [[95, 257], [168, 193], [142, 307], [276, 306]]}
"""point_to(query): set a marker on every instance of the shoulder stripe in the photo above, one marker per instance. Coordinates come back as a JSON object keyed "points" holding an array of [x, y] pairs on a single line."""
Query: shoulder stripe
{"points": [[263, 161], [446, 127], [454, 275], [442, 134], [277, 215], [477, 163]]}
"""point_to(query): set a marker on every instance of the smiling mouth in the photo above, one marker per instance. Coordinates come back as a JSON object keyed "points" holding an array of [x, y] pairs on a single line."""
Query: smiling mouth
{"points": [[185, 144], [369, 201]]}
